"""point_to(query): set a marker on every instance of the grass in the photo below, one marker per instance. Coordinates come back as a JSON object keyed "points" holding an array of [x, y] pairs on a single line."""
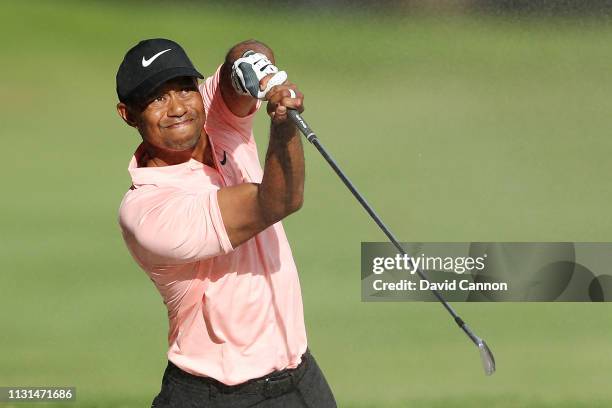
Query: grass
{"points": [[454, 128]]}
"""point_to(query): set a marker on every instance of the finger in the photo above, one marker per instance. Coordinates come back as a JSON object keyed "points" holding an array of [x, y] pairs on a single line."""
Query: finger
{"points": [[264, 81], [280, 114], [274, 92], [271, 108], [284, 92], [278, 88], [297, 94], [293, 103], [277, 79]]}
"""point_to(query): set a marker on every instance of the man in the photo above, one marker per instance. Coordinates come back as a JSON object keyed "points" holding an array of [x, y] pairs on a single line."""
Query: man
{"points": [[203, 220]]}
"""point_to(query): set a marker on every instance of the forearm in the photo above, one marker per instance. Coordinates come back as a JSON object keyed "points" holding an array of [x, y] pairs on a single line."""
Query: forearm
{"points": [[281, 191]]}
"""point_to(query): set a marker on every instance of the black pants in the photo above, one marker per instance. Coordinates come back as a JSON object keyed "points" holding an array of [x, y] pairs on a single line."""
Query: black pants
{"points": [[301, 387]]}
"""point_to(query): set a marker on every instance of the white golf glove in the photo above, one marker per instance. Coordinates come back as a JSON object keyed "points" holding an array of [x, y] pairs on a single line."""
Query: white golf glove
{"points": [[249, 69]]}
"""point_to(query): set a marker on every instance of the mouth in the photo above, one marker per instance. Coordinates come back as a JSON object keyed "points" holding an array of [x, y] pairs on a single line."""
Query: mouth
{"points": [[180, 124]]}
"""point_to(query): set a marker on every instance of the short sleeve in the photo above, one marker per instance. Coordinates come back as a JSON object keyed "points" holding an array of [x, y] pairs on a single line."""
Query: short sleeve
{"points": [[169, 226], [220, 120]]}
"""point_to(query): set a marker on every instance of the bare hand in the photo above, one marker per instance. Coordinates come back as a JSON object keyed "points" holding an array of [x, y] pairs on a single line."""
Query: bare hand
{"points": [[283, 97]]}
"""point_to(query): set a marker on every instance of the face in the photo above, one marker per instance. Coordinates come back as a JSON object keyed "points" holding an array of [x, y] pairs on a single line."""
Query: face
{"points": [[172, 117]]}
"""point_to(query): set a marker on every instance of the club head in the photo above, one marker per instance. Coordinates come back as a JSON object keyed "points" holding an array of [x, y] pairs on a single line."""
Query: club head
{"points": [[488, 361]]}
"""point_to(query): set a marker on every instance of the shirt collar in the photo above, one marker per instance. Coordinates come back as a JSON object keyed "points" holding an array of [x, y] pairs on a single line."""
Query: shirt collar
{"points": [[165, 174]]}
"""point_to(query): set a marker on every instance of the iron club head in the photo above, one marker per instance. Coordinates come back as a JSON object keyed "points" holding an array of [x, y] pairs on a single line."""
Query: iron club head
{"points": [[488, 361]]}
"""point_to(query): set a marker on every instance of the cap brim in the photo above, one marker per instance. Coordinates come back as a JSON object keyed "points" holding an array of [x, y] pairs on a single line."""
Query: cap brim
{"points": [[145, 88]]}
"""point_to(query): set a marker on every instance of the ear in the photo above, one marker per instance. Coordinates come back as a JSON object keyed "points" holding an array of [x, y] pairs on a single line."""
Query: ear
{"points": [[126, 114]]}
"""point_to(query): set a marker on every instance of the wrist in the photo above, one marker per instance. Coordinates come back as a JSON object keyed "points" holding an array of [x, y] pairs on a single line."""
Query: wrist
{"points": [[282, 132]]}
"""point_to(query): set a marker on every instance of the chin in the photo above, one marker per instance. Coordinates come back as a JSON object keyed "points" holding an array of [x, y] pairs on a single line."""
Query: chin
{"points": [[180, 144]]}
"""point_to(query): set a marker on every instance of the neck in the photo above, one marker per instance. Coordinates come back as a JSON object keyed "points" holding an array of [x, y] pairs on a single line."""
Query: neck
{"points": [[156, 157]]}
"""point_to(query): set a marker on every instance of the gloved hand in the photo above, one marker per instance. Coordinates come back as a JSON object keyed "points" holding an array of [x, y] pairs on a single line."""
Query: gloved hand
{"points": [[249, 69]]}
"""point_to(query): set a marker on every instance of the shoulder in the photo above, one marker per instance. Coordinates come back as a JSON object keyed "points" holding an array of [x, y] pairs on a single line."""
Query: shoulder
{"points": [[138, 202], [209, 88], [172, 225]]}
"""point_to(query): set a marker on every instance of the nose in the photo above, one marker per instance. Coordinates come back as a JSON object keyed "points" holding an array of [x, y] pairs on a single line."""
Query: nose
{"points": [[176, 107]]}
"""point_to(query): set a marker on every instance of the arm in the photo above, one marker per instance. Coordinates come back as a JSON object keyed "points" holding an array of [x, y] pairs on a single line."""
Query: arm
{"points": [[249, 208]]}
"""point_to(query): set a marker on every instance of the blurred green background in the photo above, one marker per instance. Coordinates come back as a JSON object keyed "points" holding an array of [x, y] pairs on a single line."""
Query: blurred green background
{"points": [[455, 127]]}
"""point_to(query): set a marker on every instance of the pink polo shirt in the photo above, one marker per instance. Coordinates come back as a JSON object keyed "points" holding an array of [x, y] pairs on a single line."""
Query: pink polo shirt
{"points": [[234, 313]]}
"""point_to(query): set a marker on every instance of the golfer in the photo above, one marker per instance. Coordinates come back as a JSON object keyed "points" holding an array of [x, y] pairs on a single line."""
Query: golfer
{"points": [[202, 219]]}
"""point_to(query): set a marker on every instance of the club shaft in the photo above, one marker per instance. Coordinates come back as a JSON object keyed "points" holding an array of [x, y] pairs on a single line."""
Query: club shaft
{"points": [[312, 138]]}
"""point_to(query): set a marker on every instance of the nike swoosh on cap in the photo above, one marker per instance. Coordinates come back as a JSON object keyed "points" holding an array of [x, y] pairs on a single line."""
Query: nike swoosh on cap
{"points": [[147, 62]]}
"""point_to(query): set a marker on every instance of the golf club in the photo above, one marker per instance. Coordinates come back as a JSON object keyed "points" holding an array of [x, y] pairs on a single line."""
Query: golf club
{"points": [[488, 361]]}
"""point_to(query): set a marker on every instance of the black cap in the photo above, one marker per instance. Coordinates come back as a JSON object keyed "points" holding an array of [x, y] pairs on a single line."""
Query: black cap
{"points": [[149, 64]]}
